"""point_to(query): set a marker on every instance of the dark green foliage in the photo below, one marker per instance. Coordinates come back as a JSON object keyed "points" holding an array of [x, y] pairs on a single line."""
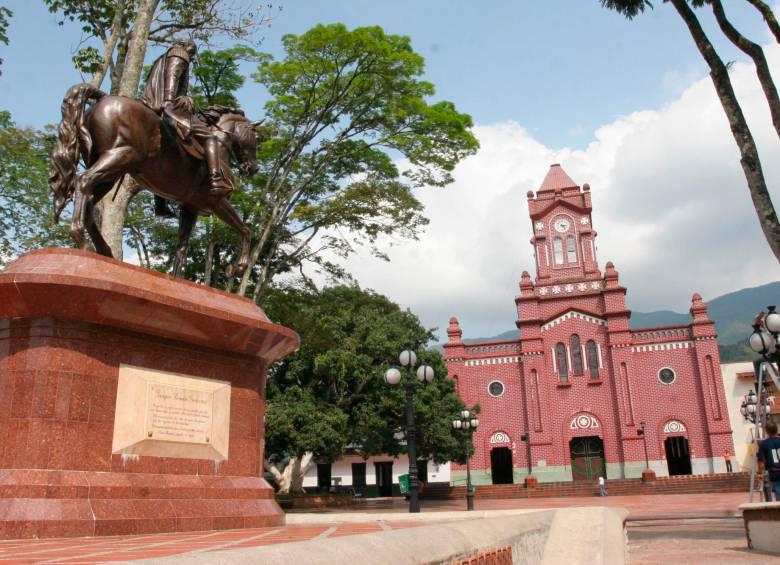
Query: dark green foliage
{"points": [[629, 8], [5, 16], [26, 220], [349, 338], [217, 76]]}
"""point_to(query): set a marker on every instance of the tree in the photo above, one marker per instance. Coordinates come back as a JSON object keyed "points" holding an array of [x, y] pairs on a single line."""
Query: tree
{"points": [[25, 202], [719, 73], [344, 105], [5, 15], [349, 338], [124, 28]]}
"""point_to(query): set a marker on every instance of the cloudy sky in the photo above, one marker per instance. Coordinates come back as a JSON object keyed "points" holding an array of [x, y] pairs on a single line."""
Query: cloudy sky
{"points": [[624, 106]]}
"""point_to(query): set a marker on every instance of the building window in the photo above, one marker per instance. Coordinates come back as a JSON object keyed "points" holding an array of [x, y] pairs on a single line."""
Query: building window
{"points": [[666, 376], [358, 475], [571, 250], [496, 388], [563, 366], [576, 354], [558, 250], [593, 359]]}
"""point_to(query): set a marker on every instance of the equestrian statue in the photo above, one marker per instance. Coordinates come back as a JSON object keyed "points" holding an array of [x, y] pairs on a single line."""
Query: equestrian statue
{"points": [[158, 140]]}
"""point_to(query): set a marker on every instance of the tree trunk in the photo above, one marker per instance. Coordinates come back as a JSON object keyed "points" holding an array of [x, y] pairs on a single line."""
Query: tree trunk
{"points": [[769, 17], [131, 74], [751, 163], [114, 205], [755, 52], [109, 44], [113, 210], [290, 479], [209, 267]]}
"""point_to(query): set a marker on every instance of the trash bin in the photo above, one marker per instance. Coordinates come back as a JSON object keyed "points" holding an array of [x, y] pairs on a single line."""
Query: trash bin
{"points": [[403, 483]]}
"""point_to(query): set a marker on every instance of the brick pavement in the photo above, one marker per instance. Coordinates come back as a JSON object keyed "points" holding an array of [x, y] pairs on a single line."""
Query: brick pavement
{"points": [[107, 549]]}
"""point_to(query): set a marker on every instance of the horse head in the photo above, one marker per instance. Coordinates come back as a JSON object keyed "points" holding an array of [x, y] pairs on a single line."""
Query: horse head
{"points": [[244, 140]]}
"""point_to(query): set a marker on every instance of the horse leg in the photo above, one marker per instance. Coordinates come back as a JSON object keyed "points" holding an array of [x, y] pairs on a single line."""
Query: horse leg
{"points": [[108, 167], [187, 220], [224, 211], [94, 232]]}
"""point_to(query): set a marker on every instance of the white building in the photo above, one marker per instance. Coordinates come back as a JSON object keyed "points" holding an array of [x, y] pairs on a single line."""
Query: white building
{"points": [[375, 476]]}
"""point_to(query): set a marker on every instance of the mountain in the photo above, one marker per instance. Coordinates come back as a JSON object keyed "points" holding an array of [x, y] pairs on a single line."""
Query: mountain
{"points": [[733, 314]]}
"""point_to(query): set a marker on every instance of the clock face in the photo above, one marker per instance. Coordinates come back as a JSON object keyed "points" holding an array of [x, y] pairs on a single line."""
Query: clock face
{"points": [[562, 225]]}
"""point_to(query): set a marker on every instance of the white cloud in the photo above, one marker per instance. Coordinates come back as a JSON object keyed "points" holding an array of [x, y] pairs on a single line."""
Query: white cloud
{"points": [[670, 205]]}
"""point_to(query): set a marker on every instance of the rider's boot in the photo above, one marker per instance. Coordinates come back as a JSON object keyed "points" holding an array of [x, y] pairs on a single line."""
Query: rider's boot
{"points": [[219, 184]]}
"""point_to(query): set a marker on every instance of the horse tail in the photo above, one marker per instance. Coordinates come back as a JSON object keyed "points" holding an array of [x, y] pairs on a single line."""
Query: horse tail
{"points": [[73, 136]]}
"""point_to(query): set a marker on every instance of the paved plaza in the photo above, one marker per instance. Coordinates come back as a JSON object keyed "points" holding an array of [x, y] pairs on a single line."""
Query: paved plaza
{"points": [[695, 528]]}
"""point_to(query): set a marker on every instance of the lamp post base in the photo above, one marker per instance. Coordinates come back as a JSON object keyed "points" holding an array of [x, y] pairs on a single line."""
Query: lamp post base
{"points": [[648, 476], [531, 481], [469, 501]]}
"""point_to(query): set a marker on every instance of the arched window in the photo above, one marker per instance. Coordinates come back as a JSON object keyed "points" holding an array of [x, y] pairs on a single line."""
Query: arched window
{"points": [[558, 250], [576, 355], [593, 359], [563, 365], [571, 250]]}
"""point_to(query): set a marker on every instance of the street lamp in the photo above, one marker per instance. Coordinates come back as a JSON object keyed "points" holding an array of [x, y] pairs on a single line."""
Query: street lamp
{"points": [[641, 433], [467, 423], [393, 377], [526, 437], [765, 340]]}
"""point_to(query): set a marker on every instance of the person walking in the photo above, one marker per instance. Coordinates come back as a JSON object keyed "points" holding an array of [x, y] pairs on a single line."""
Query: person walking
{"points": [[602, 487], [727, 457], [769, 457]]}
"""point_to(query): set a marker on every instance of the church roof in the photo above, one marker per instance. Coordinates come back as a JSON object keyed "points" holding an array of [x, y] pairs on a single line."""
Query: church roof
{"points": [[556, 179]]}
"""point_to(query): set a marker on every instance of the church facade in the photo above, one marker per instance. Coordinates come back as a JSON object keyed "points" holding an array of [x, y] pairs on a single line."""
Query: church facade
{"points": [[579, 389]]}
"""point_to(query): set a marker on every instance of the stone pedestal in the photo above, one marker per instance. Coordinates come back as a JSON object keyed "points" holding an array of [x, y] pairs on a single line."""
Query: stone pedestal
{"points": [[531, 482], [130, 402], [648, 476]]}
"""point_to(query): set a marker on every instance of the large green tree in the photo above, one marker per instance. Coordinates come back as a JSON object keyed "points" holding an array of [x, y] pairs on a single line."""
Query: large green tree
{"points": [[331, 393], [350, 134], [25, 201], [719, 73]]}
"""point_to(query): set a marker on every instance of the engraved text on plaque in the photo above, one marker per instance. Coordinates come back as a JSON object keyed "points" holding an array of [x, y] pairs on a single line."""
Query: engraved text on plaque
{"points": [[179, 414]]}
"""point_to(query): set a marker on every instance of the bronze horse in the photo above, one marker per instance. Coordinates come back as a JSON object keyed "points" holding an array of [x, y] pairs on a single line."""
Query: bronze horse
{"points": [[120, 136]]}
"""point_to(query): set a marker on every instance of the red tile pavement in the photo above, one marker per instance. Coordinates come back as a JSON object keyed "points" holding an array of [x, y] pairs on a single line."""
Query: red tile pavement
{"points": [[106, 549]]}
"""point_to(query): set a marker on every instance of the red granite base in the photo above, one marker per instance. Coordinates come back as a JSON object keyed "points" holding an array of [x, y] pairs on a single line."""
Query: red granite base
{"points": [[41, 504], [68, 321], [648, 476]]}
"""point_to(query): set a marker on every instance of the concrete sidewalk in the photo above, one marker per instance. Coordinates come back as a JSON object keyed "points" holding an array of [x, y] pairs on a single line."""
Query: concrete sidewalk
{"points": [[309, 526]]}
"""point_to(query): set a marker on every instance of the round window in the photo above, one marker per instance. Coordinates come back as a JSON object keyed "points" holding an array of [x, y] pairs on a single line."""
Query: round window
{"points": [[666, 376], [496, 388]]}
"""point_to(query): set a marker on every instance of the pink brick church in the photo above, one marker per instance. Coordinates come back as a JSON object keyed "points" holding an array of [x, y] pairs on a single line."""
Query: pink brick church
{"points": [[578, 379]]}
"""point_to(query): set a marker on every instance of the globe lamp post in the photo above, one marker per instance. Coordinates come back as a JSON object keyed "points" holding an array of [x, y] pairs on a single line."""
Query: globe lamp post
{"points": [[393, 377], [467, 423], [765, 340]]}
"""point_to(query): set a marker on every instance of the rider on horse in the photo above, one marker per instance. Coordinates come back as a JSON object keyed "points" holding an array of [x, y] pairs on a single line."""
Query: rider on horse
{"points": [[166, 93]]}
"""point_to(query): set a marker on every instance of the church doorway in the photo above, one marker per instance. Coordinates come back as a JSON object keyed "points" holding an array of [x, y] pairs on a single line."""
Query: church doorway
{"points": [[587, 458], [501, 465], [678, 457]]}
